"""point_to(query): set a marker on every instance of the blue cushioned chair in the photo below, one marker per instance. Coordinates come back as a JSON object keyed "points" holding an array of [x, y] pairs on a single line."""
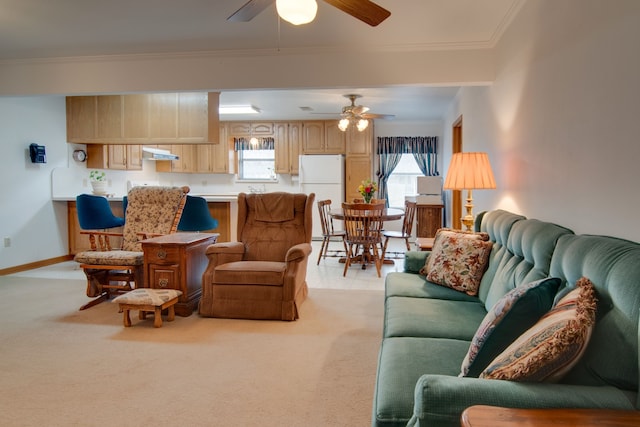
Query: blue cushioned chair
{"points": [[196, 216], [94, 213]]}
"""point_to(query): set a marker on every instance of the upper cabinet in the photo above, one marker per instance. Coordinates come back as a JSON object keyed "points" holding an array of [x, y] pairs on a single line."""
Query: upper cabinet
{"points": [[160, 118], [287, 138], [322, 137], [257, 129]]}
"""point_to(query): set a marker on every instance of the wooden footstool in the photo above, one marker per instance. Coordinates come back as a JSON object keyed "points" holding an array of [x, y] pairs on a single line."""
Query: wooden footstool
{"points": [[148, 300]]}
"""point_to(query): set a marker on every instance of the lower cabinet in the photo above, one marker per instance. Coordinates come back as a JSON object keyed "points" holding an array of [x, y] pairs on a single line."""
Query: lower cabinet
{"points": [[177, 261]]}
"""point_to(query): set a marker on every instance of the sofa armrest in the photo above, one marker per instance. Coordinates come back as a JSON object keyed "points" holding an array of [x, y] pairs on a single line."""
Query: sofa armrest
{"points": [[414, 261], [439, 399]]}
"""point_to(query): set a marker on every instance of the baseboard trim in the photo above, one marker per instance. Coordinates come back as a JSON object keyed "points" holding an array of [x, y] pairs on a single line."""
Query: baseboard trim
{"points": [[37, 264]]}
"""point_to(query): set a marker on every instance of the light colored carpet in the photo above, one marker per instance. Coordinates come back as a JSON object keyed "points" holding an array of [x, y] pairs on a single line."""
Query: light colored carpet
{"points": [[64, 367]]}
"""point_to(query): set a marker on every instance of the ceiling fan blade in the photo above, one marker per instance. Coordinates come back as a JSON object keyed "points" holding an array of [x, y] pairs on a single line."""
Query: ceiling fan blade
{"points": [[250, 10], [359, 110], [377, 116], [364, 10]]}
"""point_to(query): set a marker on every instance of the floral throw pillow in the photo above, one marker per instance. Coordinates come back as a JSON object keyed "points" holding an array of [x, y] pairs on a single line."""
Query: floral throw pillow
{"points": [[458, 261], [514, 313], [550, 348]]}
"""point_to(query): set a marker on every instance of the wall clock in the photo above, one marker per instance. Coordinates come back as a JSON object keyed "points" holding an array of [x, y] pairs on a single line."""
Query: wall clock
{"points": [[79, 155]]}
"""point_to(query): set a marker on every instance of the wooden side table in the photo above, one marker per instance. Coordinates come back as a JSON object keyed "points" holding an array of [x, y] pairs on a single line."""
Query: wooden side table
{"points": [[493, 416], [177, 261]]}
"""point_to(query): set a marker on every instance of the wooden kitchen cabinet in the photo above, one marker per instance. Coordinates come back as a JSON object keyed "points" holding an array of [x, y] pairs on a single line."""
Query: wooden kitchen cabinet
{"points": [[118, 156], [322, 137], [313, 137], [177, 261], [335, 139], [359, 143], [168, 118], [81, 118], [428, 220], [258, 129], [287, 147], [295, 146], [357, 169]]}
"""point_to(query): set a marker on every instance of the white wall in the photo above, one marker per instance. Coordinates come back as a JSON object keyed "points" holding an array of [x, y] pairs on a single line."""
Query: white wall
{"points": [[35, 224], [559, 123]]}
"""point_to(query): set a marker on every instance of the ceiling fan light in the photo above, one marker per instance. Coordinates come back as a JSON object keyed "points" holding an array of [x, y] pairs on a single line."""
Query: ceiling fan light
{"points": [[362, 124], [297, 12], [343, 124]]}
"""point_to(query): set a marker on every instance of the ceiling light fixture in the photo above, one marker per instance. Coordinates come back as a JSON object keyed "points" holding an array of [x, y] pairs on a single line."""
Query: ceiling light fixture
{"points": [[360, 123], [238, 109], [297, 12]]}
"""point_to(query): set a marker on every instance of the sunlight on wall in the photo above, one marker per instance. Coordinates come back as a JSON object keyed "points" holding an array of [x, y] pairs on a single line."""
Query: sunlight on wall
{"points": [[507, 203]]}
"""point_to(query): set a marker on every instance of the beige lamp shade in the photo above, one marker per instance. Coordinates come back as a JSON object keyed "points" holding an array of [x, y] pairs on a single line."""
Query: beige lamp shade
{"points": [[469, 171]]}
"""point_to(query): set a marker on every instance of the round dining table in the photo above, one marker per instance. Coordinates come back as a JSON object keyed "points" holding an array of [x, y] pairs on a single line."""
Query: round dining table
{"points": [[388, 214]]}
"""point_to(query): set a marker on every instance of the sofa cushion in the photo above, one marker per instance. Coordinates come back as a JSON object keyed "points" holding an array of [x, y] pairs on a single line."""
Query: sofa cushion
{"points": [[549, 349], [399, 284], [433, 318], [457, 261], [517, 311], [402, 362]]}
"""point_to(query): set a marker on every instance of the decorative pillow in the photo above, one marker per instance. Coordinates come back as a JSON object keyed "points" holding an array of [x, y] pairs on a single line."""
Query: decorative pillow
{"points": [[517, 311], [457, 261], [451, 233], [549, 349]]}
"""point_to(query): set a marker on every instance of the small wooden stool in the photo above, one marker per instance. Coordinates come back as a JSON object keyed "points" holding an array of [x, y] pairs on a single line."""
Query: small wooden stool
{"points": [[148, 300]]}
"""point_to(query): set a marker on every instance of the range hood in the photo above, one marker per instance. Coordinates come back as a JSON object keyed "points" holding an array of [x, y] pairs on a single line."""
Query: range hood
{"points": [[157, 154]]}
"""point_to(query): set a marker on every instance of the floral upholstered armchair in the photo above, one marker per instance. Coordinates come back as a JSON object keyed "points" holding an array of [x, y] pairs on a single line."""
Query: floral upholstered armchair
{"points": [[263, 274], [151, 211]]}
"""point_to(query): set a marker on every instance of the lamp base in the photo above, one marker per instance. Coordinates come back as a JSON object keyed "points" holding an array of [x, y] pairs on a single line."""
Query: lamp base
{"points": [[468, 220]]}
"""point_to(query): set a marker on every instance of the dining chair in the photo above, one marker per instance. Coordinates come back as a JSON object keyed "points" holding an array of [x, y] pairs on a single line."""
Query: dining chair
{"points": [[407, 227], [328, 230], [363, 227]]}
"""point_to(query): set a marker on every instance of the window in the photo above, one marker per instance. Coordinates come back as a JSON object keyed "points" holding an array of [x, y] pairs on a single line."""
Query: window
{"points": [[256, 165], [403, 181], [256, 158]]}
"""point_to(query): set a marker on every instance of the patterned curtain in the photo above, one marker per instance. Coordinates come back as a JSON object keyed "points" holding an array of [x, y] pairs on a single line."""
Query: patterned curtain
{"points": [[391, 148], [266, 143]]}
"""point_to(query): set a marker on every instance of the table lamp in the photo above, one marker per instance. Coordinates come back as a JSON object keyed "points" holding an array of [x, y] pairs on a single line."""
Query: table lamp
{"points": [[469, 171]]}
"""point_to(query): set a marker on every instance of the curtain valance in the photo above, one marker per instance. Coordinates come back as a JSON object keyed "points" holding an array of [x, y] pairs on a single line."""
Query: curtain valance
{"points": [[263, 143], [407, 144]]}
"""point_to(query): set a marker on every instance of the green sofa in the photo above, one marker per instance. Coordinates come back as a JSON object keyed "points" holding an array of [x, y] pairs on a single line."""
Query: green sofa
{"points": [[428, 328]]}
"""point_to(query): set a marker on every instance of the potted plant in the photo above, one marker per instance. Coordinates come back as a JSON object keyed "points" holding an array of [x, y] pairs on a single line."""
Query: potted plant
{"points": [[98, 181]]}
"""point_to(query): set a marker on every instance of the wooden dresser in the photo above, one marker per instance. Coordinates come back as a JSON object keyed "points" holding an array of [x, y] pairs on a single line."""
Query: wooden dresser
{"points": [[177, 261]]}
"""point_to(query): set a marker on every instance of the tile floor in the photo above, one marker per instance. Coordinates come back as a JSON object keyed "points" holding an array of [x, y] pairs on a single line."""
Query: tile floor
{"points": [[328, 274]]}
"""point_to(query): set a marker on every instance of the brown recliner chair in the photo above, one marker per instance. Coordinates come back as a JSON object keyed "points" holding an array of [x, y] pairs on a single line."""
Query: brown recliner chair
{"points": [[263, 274]]}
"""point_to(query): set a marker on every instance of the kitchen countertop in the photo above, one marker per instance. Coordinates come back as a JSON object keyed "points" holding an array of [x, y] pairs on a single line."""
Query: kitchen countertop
{"points": [[231, 197]]}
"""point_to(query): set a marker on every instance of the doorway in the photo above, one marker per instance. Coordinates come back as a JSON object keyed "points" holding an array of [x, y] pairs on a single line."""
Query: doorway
{"points": [[456, 196]]}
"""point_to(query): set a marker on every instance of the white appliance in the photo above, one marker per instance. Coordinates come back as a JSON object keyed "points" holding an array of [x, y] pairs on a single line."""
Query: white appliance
{"points": [[429, 190], [322, 174]]}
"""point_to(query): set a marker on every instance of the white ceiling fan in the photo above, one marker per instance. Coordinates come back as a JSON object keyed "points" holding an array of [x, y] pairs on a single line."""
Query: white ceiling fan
{"points": [[304, 11], [357, 115]]}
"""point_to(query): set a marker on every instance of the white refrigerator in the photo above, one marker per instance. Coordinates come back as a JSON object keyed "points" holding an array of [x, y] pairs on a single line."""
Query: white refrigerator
{"points": [[322, 174]]}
